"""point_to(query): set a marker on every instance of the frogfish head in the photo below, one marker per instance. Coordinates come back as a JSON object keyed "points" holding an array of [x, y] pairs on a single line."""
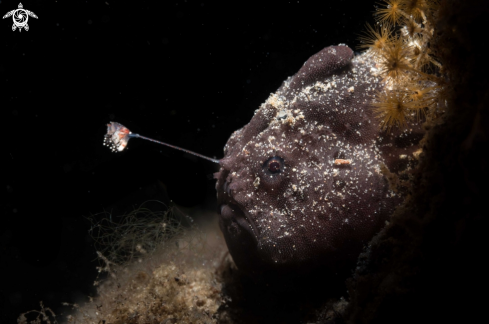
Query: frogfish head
{"points": [[300, 186]]}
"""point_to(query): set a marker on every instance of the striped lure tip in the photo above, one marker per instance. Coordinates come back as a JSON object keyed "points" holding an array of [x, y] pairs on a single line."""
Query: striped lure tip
{"points": [[117, 137]]}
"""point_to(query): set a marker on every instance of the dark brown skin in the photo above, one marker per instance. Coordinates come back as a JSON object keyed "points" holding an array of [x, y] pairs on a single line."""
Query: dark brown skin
{"points": [[285, 205]]}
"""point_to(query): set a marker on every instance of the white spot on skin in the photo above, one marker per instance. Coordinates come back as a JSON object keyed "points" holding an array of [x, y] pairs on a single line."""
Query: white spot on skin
{"points": [[256, 183]]}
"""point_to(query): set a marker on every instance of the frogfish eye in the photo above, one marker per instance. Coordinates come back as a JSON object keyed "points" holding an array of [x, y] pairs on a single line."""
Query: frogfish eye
{"points": [[274, 164]]}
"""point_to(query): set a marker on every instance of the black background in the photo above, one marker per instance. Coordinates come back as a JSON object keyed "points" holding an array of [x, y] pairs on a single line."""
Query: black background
{"points": [[185, 72]]}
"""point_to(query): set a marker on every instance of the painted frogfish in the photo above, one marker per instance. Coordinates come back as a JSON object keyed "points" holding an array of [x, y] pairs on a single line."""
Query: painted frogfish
{"points": [[301, 186]]}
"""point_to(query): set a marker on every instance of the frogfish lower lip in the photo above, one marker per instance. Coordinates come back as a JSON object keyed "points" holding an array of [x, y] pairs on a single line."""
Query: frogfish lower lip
{"points": [[231, 213]]}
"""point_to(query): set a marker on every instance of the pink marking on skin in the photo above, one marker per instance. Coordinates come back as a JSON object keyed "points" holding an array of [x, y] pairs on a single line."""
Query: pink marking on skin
{"points": [[341, 162]]}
